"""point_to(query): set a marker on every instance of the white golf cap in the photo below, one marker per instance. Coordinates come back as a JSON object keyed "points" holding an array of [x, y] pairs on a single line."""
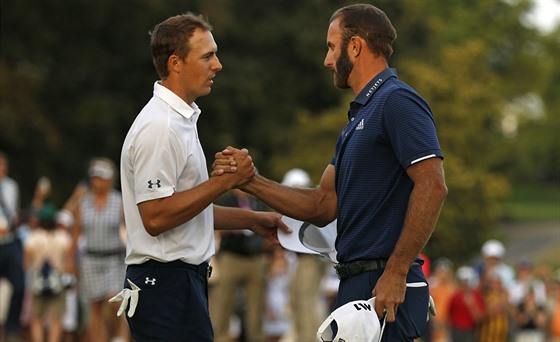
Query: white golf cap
{"points": [[356, 321], [466, 274], [102, 168], [308, 238], [65, 218], [296, 177], [493, 248]]}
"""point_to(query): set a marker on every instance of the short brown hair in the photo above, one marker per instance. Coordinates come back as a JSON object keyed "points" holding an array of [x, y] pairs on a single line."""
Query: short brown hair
{"points": [[367, 22], [172, 37]]}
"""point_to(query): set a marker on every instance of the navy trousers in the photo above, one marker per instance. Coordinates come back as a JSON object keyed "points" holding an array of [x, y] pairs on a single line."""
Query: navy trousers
{"points": [[411, 318], [11, 268], [172, 304]]}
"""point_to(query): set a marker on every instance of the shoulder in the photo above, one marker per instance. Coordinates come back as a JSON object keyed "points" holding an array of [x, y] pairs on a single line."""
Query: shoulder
{"points": [[116, 197], [34, 236], [63, 236], [397, 90], [86, 198], [153, 117], [116, 194], [9, 183], [401, 101]]}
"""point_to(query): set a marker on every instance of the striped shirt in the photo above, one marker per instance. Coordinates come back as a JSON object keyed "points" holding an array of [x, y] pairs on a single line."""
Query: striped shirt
{"points": [[390, 127]]}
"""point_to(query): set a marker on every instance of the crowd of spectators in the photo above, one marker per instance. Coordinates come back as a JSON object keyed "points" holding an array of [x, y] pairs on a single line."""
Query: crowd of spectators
{"points": [[492, 301], [59, 266], [485, 301]]}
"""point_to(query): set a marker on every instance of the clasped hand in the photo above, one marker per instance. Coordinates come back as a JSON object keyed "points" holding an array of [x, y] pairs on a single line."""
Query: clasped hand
{"points": [[234, 163]]}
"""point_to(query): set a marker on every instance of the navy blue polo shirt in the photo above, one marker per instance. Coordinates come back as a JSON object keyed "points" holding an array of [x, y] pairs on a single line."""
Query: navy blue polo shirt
{"points": [[390, 127]]}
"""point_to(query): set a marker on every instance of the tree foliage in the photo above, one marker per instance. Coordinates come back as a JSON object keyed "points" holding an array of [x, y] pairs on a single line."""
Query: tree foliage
{"points": [[73, 75]]}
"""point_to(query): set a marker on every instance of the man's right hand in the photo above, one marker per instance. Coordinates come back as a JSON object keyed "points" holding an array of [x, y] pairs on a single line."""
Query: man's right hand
{"points": [[236, 163], [224, 161]]}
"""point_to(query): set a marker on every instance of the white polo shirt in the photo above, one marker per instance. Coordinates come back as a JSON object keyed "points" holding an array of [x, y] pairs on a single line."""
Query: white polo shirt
{"points": [[161, 155]]}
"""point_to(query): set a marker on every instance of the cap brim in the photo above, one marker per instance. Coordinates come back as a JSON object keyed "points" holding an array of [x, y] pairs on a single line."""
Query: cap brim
{"points": [[308, 238]]}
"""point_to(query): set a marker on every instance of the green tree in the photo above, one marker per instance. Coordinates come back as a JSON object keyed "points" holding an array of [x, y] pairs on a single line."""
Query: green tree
{"points": [[73, 75], [468, 72]]}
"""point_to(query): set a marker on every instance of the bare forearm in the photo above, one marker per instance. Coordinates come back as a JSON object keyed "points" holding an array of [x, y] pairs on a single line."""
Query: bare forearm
{"points": [[426, 201], [315, 205], [228, 218], [264, 223], [305, 204]]}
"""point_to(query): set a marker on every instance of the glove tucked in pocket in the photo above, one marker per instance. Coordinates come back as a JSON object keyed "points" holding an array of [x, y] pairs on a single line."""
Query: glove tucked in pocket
{"points": [[126, 296]]}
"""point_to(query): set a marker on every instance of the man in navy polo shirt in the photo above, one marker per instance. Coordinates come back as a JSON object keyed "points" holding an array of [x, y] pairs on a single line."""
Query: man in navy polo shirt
{"points": [[385, 184]]}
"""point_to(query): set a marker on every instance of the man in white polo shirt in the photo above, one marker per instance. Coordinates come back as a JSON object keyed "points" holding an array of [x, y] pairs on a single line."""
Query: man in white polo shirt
{"points": [[168, 195]]}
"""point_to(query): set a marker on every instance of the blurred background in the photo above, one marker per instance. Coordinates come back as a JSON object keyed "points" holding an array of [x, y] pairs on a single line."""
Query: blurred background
{"points": [[74, 74]]}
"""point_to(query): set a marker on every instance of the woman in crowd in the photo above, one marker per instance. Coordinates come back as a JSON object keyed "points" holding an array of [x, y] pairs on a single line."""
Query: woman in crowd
{"points": [[99, 221]]}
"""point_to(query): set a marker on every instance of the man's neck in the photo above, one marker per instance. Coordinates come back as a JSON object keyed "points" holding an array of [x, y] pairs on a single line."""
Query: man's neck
{"points": [[364, 71]]}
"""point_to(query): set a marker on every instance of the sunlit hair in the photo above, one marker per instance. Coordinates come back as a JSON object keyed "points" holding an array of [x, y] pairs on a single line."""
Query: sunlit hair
{"points": [[171, 37], [367, 22]]}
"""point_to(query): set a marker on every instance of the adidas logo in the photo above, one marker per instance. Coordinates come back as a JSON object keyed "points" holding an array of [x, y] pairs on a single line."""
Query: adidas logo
{"points": [[360, 125]]}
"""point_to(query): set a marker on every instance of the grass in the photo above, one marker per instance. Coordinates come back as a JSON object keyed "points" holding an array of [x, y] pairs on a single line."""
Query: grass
{"points": [[533, 203]]}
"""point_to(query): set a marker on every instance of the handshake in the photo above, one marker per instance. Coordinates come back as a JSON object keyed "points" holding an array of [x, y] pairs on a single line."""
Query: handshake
{"points": [[235, 165]]}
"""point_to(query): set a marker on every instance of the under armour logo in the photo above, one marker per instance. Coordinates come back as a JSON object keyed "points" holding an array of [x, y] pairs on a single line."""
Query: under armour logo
{"points": [[150, 281], [150, 183]]}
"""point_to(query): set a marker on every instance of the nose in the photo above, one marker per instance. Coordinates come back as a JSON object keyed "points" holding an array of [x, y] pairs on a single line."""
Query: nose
{"points": [[328, 60], [217, 65]]}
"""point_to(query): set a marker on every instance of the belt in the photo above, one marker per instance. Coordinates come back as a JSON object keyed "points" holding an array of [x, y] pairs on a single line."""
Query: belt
{"points": [[203, 269], [354, 268], [107, 253]]}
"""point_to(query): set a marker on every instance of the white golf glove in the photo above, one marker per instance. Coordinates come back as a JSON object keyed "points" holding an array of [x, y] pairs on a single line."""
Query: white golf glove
{"points": [[125, 295]]}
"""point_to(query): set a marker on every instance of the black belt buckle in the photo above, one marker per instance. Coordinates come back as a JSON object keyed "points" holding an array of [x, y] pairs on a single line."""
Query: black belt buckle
{"points": [[354, 268], [209, 272], [348, 270], [339, 268]]}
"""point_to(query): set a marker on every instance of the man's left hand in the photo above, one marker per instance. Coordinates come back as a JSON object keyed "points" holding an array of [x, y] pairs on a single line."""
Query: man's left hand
{"points": [[389, 293], [267, 225]]}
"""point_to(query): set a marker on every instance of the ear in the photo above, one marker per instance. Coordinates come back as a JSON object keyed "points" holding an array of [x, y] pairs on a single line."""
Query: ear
{"points": [[174, 64], [355, 46]]}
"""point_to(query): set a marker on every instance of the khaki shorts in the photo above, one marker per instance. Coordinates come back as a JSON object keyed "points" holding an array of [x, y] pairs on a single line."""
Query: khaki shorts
{"points": [[55, 306]]}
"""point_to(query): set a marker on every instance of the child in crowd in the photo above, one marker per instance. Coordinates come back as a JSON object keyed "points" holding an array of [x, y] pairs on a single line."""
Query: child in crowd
{"points": [[45, 254]]}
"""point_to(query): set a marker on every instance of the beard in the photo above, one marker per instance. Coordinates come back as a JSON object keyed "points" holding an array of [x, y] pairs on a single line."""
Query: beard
{"points": [[343, 69]]}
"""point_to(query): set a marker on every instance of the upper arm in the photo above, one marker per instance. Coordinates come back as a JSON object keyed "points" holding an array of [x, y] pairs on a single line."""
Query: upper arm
{"points": [[428, 170], [149, 210]]}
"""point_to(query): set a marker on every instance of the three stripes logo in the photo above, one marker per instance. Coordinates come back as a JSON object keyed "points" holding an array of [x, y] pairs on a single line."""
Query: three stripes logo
{"points": [[360, 125]]}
